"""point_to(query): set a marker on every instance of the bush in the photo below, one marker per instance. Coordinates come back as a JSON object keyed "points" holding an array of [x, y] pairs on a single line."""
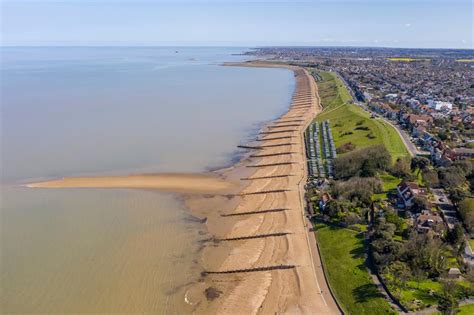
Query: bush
{"points": [[346, 147], [364, 162], [401, 167], [357, 189], [362, 128], [466, 210]]}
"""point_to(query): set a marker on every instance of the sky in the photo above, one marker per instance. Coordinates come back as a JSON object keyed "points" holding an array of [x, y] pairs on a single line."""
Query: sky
{"points": [[244, 23]]}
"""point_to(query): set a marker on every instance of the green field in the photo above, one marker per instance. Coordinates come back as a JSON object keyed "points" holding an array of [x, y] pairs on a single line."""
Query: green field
{"points": [[342, 252], [467, 309], [332, 91], [350, 123], [420, 292], [407, 59], [390, 183]]}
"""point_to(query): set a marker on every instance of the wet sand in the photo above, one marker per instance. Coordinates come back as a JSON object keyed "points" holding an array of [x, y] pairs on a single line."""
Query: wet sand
{"points": [[255, 215], [264, 224]]}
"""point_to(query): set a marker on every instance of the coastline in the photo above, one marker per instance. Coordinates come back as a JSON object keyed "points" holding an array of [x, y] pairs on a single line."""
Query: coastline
{"points": [[254, 215], [263, 224]]}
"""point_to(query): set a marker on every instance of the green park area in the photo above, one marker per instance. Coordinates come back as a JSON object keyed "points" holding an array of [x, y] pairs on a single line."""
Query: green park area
{"points": [[467, 309], [342, 251], [352, 127]]}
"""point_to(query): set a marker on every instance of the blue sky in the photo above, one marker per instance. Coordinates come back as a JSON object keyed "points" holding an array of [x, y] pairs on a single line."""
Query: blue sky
{"points": [[392, 23]]}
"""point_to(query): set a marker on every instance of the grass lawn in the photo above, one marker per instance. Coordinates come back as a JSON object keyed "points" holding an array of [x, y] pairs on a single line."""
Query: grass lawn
{"points": [[332, 91], [350, 123], [425, 292], [342, 251], [346, 118], [467, 309], [390, 183]]}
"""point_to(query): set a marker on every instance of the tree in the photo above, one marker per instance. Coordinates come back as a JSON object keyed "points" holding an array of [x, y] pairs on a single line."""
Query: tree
{"points": [[401, 273], [420, 163], [464, 165], [430, 178], [466, 210], [448, 303], [457, 195], [402, 167], [385, 250], [455, 236], [451, 177], [419, 203], [334, 209], [363, 162]]}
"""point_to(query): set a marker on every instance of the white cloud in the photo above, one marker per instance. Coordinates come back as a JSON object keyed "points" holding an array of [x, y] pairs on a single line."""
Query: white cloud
{"points": [[407, 25]]}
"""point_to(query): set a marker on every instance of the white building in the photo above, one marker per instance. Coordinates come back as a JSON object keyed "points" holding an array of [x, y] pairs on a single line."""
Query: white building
{"points": [[439, 105]]}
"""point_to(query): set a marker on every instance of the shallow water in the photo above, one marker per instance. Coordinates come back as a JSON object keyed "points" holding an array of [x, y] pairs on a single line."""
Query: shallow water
{"points": [[78, 111]]}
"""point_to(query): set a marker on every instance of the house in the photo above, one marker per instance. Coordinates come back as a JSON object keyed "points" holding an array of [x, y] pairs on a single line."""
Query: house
{"points": [[438, 105], [324, 200], [429, 222], [454, 273], [463, 153], [409, 190], [420, 120]]}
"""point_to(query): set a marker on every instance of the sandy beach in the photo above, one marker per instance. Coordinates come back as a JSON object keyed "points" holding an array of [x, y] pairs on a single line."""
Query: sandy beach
{"points": [[261, 256], [264, 226], [181, 183]]}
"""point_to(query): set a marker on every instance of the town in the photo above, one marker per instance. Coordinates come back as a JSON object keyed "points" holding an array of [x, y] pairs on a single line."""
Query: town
{"points": [[391, 157]]}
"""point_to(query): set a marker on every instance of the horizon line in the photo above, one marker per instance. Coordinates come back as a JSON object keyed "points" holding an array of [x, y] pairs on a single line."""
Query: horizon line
{"points": [[225, 46]]}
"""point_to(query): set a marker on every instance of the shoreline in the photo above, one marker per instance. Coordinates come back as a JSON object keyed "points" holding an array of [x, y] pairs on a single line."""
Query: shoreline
{"points": [[253, 212], [264, 222]]}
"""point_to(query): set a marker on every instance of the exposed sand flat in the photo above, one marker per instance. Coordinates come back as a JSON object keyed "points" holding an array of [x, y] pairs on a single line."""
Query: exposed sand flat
{"points": [[260, 196], [183, 183], [270, 203]]}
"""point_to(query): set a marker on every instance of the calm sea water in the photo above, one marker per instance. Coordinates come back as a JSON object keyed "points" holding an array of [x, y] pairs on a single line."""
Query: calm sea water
{"points": [[95, 111]]}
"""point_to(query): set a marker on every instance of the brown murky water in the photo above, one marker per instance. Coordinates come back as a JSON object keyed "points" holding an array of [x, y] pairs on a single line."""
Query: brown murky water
{"points": [[114, 111]]}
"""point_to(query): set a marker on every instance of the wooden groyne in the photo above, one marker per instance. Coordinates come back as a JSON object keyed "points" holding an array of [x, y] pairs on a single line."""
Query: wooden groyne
{"points": [[287, 121], [250, 237], [277, 145], [256, 269], [273, 154], [254, 212], [275, 138], [251, 147], [266, 177], [272, 164], [277, 131], [283, 126], [264, 192]]}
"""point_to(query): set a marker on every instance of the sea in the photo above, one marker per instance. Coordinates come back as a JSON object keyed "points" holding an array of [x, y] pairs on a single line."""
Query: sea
{"points": [[73, 111]]}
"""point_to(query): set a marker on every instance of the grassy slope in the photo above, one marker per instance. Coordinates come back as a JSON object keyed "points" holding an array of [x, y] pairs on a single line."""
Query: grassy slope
{"points": [[343, 253], [344, 118], [342, 249], [466, 309], [390, 183]]}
